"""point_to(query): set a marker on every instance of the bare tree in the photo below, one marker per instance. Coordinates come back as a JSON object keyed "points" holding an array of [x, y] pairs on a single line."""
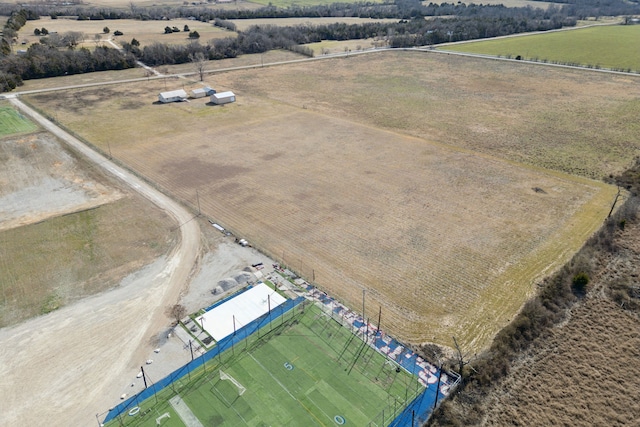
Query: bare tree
{"points": [[199, 62], [176, 311], [461, 359]]}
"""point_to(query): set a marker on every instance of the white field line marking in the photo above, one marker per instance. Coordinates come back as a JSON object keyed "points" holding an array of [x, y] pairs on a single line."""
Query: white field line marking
{"points": [[184, 412], [274, 378]]}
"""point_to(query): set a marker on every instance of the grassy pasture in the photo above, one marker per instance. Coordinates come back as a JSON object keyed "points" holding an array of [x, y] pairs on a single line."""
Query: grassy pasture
{"points": [[339, 46], [356, 190], [243, 24], [49, 264], [611, 46], [12, 122], [146, 32]]}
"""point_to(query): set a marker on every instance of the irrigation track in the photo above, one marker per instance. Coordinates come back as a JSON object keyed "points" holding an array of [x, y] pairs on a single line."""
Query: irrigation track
{"points": [[63, 368]]}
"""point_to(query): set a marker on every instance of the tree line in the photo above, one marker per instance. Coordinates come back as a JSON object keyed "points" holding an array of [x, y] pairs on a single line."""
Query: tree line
{"points": [[397, 9], [42, 60]]}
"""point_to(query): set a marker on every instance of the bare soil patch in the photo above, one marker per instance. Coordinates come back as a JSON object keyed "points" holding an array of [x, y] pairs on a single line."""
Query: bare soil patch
{"points": [[39, 180], [66, 231], [449, 242]]}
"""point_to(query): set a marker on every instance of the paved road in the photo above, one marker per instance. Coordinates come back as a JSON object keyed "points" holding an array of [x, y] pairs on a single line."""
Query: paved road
{"points": [[63, 368]]}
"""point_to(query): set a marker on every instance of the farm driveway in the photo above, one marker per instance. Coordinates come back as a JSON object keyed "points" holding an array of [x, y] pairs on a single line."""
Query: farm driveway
{"points": [[63, 368]]}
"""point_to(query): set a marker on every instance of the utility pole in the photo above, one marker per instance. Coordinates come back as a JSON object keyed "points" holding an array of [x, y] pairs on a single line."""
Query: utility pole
{"points": [[198, 200]]}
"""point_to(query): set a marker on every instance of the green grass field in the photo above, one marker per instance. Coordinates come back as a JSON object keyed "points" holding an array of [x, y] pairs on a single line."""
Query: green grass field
{"points": [[12, 122], [613, 47], [302, 373]]}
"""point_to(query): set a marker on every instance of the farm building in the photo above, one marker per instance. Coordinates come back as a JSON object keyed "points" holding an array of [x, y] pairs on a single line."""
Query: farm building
{"points": [[173, 96], [223, 98], [202, 92]]}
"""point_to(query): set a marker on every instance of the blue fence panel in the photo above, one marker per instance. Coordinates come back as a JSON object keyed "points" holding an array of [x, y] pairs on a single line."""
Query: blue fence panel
{"points": [[221, 346]]}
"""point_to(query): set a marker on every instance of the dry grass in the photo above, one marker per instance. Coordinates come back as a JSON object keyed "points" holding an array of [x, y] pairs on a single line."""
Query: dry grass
{"points": [[512, 3], [136, 73], [243, 24], [584, 374], [448, 241], [146, 32], [63, 258], [88, 78]]}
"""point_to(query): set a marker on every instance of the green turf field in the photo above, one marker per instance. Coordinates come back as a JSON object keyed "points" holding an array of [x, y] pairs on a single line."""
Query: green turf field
{"points": [[302, 373], [613, 47], [12, 122]]}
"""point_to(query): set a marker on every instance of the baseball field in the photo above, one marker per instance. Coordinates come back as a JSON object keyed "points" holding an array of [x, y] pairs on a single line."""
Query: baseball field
{"points": [[443, 187]]}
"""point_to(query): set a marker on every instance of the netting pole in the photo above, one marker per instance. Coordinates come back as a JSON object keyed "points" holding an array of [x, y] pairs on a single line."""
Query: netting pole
{"points": [[144, 378], [435, 404], [269, 307], [233, 338]]}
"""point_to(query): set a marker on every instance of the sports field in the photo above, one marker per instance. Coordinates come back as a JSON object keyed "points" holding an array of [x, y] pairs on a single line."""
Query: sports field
{"points": [[307, 370], [12, 122], [612, 46]]}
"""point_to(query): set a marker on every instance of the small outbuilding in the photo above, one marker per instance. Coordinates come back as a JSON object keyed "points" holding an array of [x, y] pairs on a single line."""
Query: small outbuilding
{"points": [[223, 98], [173, 96], [202, 92]]}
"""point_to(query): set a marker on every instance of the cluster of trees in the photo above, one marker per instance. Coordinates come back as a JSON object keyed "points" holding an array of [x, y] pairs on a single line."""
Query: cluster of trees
{"points": [[44, 60], [414, 32], [399, 9], [17, 19]]}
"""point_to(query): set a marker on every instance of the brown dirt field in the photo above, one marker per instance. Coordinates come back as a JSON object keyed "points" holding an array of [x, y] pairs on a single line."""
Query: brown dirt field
{"points": [[449, 242], [586, 372], [67, 230]]}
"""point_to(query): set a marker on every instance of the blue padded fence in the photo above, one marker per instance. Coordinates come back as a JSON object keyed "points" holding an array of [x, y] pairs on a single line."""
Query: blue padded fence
{"points": [[221, 346]]}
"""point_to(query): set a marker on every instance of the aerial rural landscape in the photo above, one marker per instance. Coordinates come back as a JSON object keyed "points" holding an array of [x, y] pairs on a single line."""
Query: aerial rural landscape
{"points": [[317, 213]]}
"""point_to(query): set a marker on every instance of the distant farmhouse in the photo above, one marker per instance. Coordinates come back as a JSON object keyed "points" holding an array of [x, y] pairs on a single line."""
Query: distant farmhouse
{"points": [[202, 92], [223, 98], [173, 96]]}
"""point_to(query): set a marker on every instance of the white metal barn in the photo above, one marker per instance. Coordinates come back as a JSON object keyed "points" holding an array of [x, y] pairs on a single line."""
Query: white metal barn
{"points": [[202, 92], [223, 98], [173, 96], [198, 93]]}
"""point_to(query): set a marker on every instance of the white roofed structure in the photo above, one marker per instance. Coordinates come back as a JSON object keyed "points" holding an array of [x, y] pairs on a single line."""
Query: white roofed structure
{"points": [[241, 310], [223, 98], [173, 96]]}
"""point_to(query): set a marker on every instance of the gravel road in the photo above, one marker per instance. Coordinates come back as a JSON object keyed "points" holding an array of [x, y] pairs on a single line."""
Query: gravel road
{"points": [[62, 368]]}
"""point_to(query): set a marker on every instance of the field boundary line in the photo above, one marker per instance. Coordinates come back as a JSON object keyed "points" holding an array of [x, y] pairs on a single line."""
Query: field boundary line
{"points": [[184, 412], [274, 378]]}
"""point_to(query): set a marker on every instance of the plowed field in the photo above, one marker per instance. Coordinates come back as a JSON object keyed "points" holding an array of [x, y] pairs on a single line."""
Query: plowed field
{"points": [[447, 240]]}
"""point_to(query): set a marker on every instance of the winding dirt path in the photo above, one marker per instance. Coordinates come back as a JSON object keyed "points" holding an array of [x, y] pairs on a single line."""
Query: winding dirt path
{"points": [[63, 368]]}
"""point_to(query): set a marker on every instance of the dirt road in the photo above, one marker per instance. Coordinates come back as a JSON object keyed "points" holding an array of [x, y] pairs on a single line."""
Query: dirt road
{"points": [[63, 368]]}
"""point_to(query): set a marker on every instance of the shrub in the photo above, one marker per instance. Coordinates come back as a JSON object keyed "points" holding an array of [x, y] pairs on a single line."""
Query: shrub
{"points": [[579, 283], [106, 30]]}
